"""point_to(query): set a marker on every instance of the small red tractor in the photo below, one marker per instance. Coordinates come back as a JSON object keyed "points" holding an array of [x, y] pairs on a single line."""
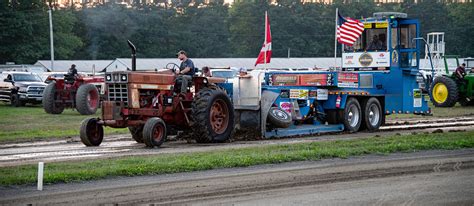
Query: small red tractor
{"points": [[78, 92], [149, 104]]}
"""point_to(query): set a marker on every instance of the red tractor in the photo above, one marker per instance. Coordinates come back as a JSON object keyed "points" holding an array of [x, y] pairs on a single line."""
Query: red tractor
{"points": [[78, 92], [149, 104]]}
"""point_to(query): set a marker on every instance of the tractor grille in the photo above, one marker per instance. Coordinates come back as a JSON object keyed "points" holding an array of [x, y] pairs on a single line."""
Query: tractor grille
{"points": [[118, 93], [35, 91]]}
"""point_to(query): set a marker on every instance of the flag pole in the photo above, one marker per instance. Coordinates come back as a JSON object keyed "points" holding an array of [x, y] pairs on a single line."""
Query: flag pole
{"points": [[265, 44], [335, 40]]}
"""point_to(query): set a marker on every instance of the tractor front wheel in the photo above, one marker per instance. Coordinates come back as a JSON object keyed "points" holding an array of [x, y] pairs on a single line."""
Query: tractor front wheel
{"points": [[444, 92], [154, 132], [91, 132], [213, 116], [87, 99], [49, 97]]}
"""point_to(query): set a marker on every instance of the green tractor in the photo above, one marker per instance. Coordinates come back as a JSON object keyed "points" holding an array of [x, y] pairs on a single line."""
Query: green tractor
{"points": [[446, 89]]}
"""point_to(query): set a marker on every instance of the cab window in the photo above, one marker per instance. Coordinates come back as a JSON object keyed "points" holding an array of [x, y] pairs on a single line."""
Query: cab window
{"points": [[407, 33]]}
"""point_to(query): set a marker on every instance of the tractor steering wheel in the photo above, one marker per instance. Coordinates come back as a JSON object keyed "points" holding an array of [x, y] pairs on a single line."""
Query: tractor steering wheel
{"points": [[173, 67]]}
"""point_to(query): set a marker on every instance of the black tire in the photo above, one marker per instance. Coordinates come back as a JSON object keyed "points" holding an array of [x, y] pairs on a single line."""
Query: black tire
{"points": [[352, 115], [207, 100], [49, 96], [137, 133], [279, 117], [452, 89], [372, 116], [465, 102], [87, 99], [154, 132], [91, 132], [16, 102]]}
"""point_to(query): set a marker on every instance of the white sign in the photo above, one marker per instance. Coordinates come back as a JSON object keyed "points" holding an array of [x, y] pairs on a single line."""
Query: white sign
{"points": [[417, 98], [365, 59], [322, 94]]}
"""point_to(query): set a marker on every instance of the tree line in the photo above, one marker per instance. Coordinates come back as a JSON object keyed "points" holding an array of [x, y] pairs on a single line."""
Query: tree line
{"points": [[213, 30]]}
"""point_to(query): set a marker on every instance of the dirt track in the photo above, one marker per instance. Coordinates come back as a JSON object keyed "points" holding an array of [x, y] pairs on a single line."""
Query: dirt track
{"points": [[123, 145], [431, 177]]}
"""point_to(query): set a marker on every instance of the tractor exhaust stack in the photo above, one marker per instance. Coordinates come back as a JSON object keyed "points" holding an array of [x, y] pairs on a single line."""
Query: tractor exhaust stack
{"points": [[134, 55]]}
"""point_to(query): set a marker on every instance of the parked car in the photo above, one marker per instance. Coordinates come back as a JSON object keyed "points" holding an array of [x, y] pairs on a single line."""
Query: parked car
{"points": [[20, 88]]}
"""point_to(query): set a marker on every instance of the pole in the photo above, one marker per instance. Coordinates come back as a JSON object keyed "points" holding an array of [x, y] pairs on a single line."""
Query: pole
{"points": [[51, 35], [288, 53], [335, 39], [40, 175], [265, 44]]}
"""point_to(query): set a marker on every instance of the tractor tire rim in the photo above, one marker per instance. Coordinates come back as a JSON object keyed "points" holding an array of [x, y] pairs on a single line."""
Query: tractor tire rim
{"points": [[374, 114], [440, 93], [219, 116], [158, 133], [93, 131], [353, 116], [280, 114], [92, 98]]}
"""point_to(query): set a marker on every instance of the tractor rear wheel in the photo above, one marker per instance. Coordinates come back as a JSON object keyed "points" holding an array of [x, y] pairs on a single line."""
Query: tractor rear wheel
{"points": [[444, 92], [49, 97], [372, 114], [352, 115], [279, 117], [213, 116], [91, 132], [87, 99], [137, 133], [154, 132]]}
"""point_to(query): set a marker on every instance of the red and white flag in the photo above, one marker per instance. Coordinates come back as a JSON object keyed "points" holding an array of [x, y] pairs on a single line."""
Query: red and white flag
{"points": [[348, 30], [266, 51]]}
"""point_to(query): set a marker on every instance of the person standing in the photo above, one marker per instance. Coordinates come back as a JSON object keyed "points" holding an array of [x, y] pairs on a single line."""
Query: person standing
{"points": [[186, 71]]}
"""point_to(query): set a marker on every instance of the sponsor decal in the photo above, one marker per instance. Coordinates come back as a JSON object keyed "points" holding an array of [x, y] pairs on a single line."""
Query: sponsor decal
{"points": [[284, 79], [322, 94], [299, 93], [365, 59], [417, 98], [313, 79], [286, 106], [349, 57], [350, 80], [394, 56]]}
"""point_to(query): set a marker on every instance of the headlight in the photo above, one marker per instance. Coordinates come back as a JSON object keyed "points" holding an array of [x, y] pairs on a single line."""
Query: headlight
{"points": [[108, 77], [23, 89], [204, 81], [123, 77]]}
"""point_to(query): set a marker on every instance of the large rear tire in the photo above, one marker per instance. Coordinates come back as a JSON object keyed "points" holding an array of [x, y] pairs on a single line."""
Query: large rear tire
{"points": [[91, 132], [87, 99], [444, 92], [49, 97], [154, 132], [213, 116], [279, 117], [372, 114], [137, 133], [352, 115]]}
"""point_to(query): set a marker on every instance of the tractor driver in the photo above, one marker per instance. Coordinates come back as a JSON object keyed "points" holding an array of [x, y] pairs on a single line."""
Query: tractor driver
{"points": [[72, 71], [460, 73], [186, 71]]}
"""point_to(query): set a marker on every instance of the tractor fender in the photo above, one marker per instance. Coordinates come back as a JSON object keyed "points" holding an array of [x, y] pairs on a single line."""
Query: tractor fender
{"points": [[266, 102]]}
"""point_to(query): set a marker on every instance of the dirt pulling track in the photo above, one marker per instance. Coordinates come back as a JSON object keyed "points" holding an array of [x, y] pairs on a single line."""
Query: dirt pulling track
{"points": [[123, 145], [430, 177]]}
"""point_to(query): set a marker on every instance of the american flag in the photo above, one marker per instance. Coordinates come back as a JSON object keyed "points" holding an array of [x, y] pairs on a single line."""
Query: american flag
{"points": [[348, 30]]}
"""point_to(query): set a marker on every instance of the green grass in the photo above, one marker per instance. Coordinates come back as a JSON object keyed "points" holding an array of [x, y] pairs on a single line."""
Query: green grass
{"points": [[31, 122], [269, 154], [438, 112]]}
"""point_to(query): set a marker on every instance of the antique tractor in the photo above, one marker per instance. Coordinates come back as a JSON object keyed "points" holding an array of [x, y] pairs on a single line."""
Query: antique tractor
{"points": [[149, 104], [447, 89], [78, 92]]}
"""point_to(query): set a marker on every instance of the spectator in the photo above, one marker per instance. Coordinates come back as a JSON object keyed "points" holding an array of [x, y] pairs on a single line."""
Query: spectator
{"points": [[206, 72]]}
